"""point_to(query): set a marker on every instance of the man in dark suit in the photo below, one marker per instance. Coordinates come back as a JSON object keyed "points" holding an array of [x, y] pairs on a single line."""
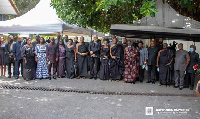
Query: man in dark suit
{"points": [[9, 52], [94, 48], [152, 58], [190, 71], [17, 57]]}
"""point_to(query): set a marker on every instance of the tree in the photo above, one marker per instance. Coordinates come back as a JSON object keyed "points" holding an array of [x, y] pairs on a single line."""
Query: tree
{"points": [[25, 5], [100, 14], [189, 8]]}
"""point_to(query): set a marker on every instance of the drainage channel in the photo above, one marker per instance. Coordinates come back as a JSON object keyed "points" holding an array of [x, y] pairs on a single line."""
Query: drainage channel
{"points": [[91, 92]]}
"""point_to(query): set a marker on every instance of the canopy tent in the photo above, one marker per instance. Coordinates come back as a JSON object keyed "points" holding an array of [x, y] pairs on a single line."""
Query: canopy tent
{"points": [[167, 23], [88, 31], [8, 7], [41, 20]]}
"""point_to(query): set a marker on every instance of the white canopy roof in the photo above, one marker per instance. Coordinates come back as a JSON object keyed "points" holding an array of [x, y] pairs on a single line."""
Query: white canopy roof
{"points": [[40, 20], [8, 7]]}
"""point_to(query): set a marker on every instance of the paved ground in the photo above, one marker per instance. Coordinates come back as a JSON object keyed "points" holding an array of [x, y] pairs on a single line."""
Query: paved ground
{"points": [[28, 104], [97, 85]]}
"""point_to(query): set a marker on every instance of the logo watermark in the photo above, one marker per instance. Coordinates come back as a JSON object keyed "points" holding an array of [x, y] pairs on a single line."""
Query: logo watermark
{"points": [[150, 111]]}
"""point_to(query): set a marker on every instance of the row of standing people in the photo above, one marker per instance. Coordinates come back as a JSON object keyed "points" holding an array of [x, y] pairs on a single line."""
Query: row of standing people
{"points": [[34, 58], [114, 61], [68, 59], [174, 66]]}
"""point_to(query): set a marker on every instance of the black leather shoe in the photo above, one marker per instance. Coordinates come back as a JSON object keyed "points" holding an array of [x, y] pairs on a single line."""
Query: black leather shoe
{"points": [[16, 77], [153, 82], [9, 76], [54, 77], [191, 88], [185, 86], [141, 81], [148, 82], [180, 88], [91, 77], [95, 78], [175, 86], [49, 78]]}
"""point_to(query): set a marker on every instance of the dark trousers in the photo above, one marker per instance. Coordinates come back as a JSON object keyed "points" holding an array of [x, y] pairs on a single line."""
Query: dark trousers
{"points": [[157, 76], [151, 73], [9, 69], [94, 66], [172, 76], [189, 79], [141, 78], [54, 69], [18, 63]]}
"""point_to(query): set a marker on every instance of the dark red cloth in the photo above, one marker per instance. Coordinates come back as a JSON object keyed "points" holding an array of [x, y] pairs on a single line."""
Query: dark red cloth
{"points": [[52, 52]]}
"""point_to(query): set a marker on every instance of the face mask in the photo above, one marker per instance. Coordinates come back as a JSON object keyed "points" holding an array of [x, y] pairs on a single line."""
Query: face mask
{"points": [[191, 49]]}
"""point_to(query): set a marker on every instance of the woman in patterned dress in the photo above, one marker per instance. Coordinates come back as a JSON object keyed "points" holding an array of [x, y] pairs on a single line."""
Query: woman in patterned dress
{"points": [[28, 54], [70, 59], [61, 60], [131, 61], [40, 51]]}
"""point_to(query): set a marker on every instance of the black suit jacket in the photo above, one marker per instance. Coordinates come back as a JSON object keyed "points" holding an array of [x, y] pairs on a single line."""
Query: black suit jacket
{"points": [[7, 52]]}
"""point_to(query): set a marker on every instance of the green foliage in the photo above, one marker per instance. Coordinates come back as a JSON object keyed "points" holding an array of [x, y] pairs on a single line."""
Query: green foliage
{"points": [[189, 8], [100, 14], [148, 7], [186, 4], [25, 5]]}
